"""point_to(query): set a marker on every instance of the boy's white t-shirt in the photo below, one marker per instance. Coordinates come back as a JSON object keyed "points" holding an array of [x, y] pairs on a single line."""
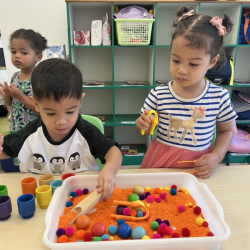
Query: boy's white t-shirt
{"points": [[176, 115]]}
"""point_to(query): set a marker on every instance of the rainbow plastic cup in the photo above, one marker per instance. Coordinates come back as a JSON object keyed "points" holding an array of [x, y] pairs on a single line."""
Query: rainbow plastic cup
{"points": [[5, 207], [56, 184], [46, 179], [29, 185], [44, 195], [26, 205], [3, 190], [65, 176]]}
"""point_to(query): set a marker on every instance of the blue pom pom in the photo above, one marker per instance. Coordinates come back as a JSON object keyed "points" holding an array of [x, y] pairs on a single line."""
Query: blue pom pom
{"points": [[173, 191], [121, 221], [69, 204], [73, 194], [112, 229], [105, 236], [139, 214], [124, 231], [60, 232], [147, 194]]}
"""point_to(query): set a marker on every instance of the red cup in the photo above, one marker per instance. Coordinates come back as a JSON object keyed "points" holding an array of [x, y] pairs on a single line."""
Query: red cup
{"points": [[65, 176], [29, 185]]}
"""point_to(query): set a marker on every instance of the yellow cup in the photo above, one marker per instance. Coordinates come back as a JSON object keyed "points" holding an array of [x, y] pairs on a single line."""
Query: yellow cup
{"points": [[46, 179], [44, 195]]}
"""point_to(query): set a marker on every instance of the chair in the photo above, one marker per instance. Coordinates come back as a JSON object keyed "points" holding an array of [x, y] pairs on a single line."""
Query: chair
{"points": [[98, 123]]}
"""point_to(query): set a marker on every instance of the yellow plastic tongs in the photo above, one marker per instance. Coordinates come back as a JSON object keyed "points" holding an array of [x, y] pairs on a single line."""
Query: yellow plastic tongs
{"points": [[154, 122]]}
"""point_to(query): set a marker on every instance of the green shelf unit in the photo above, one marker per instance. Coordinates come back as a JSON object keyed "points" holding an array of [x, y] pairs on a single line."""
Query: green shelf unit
{"points": [[237, 158], [243, 122], [134, 159], [116, 64]]}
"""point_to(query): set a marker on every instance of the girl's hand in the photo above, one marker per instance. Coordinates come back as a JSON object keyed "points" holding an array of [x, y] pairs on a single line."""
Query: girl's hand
{"points": [[15, 92], [1, 143], [206, 164], [106, 184], [5, 89], [144, 122]]}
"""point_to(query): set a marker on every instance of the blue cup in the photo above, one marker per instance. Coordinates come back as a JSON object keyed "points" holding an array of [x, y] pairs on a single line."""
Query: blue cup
{"points": [[26, 205], [56, 184]]}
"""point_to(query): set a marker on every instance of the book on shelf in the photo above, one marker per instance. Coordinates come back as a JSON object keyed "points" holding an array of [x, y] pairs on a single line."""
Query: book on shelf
{"points": [[242, 81], [137, 83], [101, 117], [95, 83], [56, 51], [129, 150]]}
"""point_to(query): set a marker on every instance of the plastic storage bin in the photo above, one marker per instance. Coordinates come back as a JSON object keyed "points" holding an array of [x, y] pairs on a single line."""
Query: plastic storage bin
{"points": [[211, 209], [132, 32], [8, 165]]}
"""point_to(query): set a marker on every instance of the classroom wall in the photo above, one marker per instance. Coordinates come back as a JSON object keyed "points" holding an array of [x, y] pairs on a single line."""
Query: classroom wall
{"points": [[49, 17]]}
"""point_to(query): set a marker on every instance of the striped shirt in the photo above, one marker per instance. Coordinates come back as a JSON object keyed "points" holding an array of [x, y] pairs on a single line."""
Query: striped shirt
{"points": [[192, 120]]}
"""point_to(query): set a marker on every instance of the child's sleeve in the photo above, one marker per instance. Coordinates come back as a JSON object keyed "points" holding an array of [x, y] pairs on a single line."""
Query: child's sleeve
{"points": [[150, 102], [226, 112]]}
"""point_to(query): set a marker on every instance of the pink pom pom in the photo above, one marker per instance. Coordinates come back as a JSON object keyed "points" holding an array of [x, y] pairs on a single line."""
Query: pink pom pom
{"points": [[69, 231], [163, 195], [158, 199], [150, 199], [78, 192], [169, 230], [181, 208], [157, 236], [126, 211], [163, 225]]}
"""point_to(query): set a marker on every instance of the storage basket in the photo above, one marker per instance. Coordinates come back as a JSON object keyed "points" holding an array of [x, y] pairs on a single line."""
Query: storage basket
{"points": [[131, 32]]}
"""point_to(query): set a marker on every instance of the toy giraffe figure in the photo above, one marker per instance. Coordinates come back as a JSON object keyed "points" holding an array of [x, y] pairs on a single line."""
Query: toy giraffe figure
{"points": [[176, 123]]}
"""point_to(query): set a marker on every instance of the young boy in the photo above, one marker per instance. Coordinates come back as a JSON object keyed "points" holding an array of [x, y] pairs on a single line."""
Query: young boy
{"points": [[60, 140]]}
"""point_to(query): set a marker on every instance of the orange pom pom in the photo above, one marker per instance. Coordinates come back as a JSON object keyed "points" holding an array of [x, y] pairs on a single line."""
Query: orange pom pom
{"points": [[63, 239], [157, 190], [80, 234], [133, 213]]}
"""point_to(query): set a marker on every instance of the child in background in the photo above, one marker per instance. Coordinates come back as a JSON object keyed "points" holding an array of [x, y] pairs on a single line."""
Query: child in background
{"points": [[26, 51], [189, 107], [60, 141]]}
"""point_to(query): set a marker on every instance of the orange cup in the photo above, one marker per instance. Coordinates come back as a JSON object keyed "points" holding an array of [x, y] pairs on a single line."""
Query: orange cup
{"points": [[29, 185], [46, 179]]}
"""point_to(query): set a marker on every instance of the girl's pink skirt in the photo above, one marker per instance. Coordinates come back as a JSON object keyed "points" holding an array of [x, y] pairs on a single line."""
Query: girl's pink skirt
{"points": [[160, 155]]}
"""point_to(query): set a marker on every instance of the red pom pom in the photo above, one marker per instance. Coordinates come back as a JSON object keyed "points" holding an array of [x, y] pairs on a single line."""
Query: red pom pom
{"points": [[106, 239], [157, 236], [169, 230], [161, 231], [175, 235], [174, 187], [72, 198], [87, 237], [186, 232], [180, 191], [205, 224], [197, 210], [210, 234], [158, 199]]}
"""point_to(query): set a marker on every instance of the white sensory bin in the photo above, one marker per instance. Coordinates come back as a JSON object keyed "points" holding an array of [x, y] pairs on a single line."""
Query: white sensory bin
{"points": [[211, 209]]}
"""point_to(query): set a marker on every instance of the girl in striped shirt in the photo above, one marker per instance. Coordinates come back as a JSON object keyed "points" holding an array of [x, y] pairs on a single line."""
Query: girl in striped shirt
{"points": [[190, 107]]}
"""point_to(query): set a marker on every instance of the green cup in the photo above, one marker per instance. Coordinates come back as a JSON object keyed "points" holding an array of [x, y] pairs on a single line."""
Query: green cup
{"points": [[3, 190]]}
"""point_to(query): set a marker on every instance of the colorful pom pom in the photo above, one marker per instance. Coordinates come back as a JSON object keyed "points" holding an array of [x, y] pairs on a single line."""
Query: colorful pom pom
{"points": [[87, 237], [60, 232], [121, 221], [169, 230], [147, 189], [147, 205], [167, 188], [69, 204], [173, 191], [70, 231], [184, 189], [79, 192], [181, 208], [166, 222], [105, 237], [127, 211], [210, 234], [199, 221], [63, 239], [142, 197], [154, 225], [73, 194], [157, 190], [80, 234], [147, 194], [150, 199], [72, 198], [133, 213], [174, 187], [85, 191], [111, 238], [159, 221], [139, 214], [186, 232], [145, 237], [197, 210], [156, 236], [158, 199], [175, 235], [163, 225], [163, 195], [112, 229], [161, 231], [205, 224]]}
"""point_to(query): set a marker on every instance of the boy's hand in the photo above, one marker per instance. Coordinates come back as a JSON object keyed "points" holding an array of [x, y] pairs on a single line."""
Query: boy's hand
{"points": [[206, 164], [1, 143], [106, 184], [5, 89], [144, 122]]}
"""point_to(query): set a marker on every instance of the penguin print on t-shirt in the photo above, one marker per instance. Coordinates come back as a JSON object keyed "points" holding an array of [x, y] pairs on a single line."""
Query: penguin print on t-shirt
{"points": [[39, 162], [57, 165], [74, 161]]}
